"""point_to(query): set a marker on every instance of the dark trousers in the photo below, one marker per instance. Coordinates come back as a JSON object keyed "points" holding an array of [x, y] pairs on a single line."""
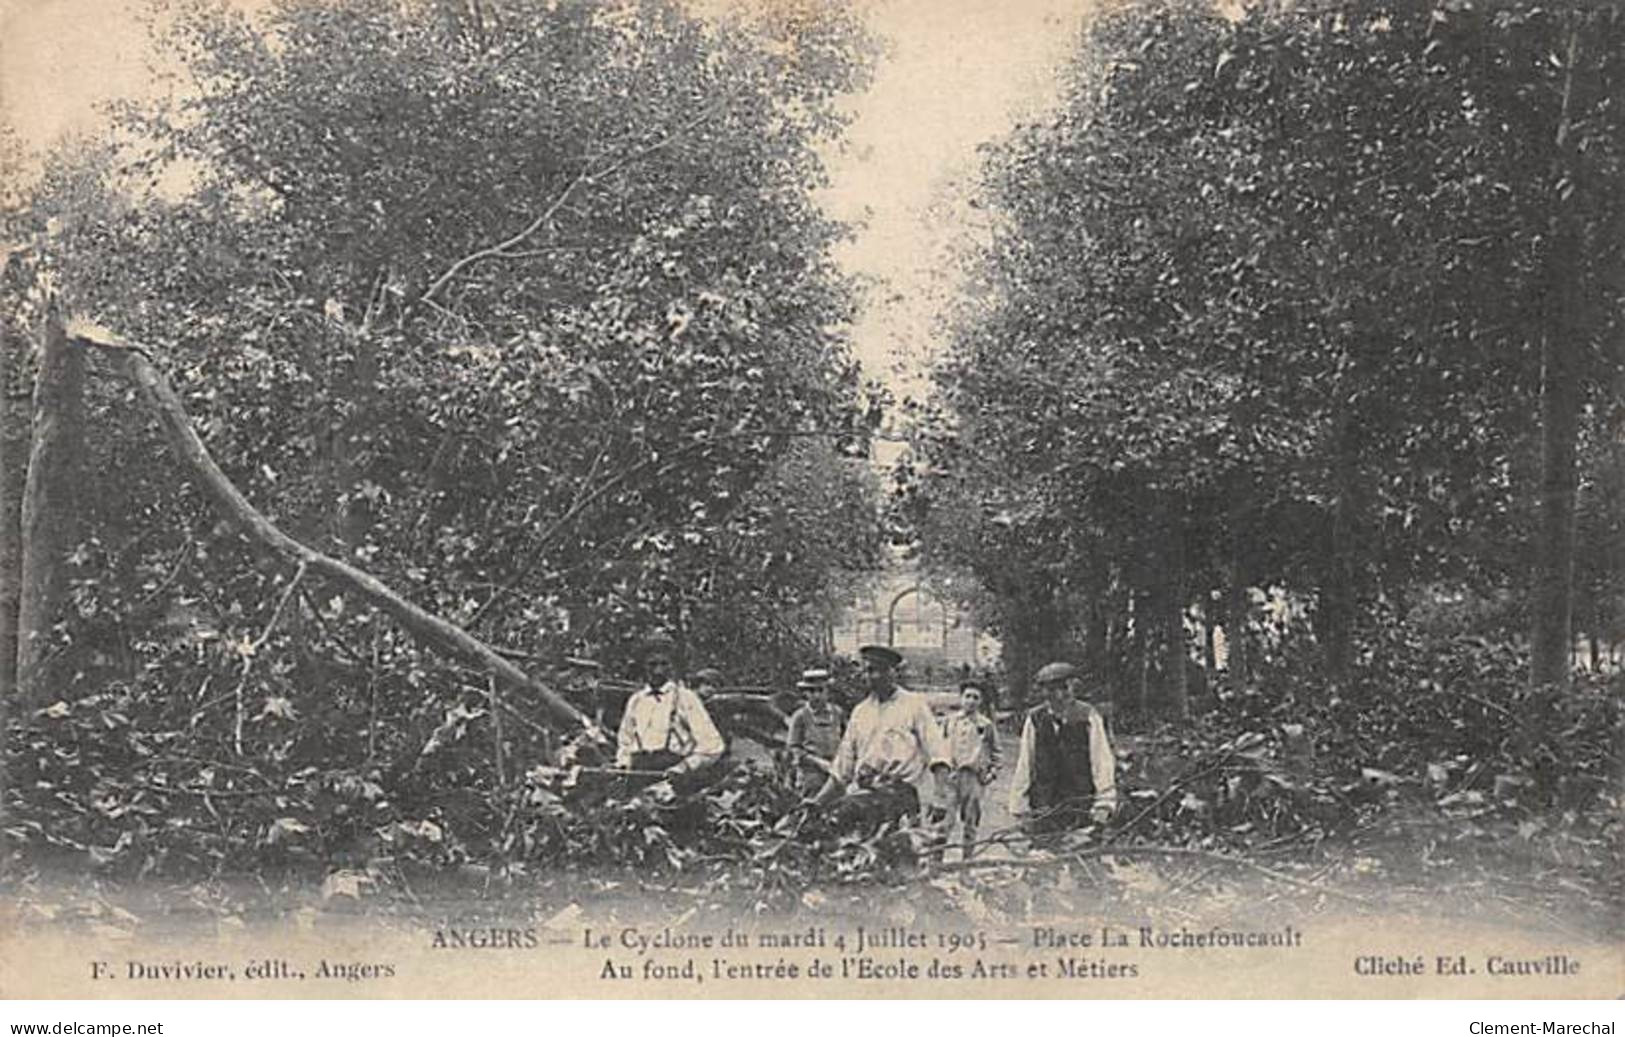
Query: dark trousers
{"points": [[655, 760], [867, 809]]}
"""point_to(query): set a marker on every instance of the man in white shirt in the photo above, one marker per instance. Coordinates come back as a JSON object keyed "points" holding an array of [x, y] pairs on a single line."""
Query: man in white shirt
{"points": [[891, 740], [666, 726], [1066, 773]]}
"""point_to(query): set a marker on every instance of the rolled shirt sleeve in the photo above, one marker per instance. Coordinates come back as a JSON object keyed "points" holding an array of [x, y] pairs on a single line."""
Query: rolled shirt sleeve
{"points": [[933, 741], [1102, 764], [1021, 777], [708, 743], [845, 764], [626, 737]]}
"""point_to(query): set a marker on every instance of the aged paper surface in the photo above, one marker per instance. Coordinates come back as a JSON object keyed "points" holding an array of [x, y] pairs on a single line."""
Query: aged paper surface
{"points": [[1273, 951], [1107, 925]]}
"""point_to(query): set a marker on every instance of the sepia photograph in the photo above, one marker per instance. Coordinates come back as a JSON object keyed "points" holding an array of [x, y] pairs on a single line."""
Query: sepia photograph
{"points": [[812, 499]]}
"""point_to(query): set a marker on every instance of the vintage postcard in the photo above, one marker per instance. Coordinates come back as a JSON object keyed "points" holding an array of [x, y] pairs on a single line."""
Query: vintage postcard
{"points": [[811, 499]]}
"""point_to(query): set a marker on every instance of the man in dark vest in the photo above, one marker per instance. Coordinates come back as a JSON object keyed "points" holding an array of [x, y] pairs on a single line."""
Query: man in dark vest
{"points": [[1066, 774]]}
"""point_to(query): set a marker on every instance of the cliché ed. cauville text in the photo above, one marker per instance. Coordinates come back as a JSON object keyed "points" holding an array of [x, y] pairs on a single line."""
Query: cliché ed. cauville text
{"points": [[1395, 966]]}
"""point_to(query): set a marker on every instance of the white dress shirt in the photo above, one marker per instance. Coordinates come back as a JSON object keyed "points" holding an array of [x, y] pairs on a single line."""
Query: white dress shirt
{"points": [[898, 738], [672, 718]]}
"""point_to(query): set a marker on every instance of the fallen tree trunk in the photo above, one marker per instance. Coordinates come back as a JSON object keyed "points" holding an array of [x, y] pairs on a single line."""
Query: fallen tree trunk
{"points": [[236, 509]]}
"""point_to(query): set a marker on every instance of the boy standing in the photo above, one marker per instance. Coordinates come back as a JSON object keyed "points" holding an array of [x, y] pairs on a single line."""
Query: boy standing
{"points": [[973, 757], [814, 732]]}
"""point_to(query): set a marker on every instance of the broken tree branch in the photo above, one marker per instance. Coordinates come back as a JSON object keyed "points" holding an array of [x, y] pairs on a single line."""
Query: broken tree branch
{"points": [[1190, 775], [48, 512], [501, 247], [588, 176], [236, 509]]}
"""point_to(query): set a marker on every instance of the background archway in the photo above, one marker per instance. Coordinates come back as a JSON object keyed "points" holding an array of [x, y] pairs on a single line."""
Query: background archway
{"points": [[915, 619]]}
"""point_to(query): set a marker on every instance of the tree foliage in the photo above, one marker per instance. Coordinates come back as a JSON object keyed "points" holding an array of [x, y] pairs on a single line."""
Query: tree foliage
{"points": [[1269, 306], [597, 400], [525, 308]]}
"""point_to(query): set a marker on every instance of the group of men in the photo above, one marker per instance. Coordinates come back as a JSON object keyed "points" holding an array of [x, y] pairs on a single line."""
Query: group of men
{"points": [[892, 747]]}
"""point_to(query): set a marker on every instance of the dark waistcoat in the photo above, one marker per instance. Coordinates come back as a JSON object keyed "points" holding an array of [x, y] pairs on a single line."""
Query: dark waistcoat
{"points": [[1061, 765]]}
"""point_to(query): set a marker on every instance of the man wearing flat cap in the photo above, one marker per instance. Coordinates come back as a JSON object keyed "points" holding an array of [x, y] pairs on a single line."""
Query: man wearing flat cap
{"points": [[814, 731], [1066, 774], [891, 739], [666, 726]]}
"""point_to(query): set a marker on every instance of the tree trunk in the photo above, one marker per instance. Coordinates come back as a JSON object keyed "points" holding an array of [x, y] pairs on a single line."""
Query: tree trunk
{"points": [[1140, 642], [1562, 356], [1095, 617], [48, 513], [1210, 659], [360, 388], [1176, 685], [14, 432], [1338, 574], [1116, 627], [1552, 600], [1096, 653], [1237, 601], [235, 508], [15, 425], [1237, 612]]}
